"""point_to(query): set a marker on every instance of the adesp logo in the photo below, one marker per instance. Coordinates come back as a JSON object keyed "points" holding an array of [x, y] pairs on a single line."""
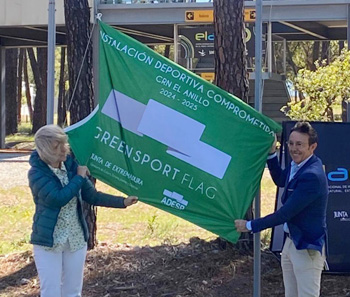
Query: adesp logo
{"points": [[174, 200], [341, 174]]}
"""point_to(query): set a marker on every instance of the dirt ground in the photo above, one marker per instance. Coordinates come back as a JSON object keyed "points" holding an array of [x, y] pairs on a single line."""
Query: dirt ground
{"points": [[208, 269], [199, 268]]}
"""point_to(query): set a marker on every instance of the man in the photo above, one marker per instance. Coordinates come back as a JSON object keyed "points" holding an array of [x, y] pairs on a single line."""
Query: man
{"points": [[303, 213]]}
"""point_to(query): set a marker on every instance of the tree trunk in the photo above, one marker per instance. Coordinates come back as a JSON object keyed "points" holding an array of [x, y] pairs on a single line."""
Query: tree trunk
{"points": [[341, 46], [77, 16], [230, 63], [19, 84], [325, 51], [230, 50], [26, 82], [167, 51], [62, 108], [290, 60], [315, 55], [39, 68], [298, 95], [11, 59], [344, 112]]}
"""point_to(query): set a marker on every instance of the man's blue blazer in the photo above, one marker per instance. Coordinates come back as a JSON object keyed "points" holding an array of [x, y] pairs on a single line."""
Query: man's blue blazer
{"points": [[304, 204]]}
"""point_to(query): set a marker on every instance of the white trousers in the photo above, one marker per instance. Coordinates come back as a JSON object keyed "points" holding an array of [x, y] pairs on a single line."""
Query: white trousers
{"points": [[302, 270], [60, 273]]}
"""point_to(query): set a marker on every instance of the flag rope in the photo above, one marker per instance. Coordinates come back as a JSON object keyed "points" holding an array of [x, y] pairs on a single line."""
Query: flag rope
{"points": [[98, 16]]}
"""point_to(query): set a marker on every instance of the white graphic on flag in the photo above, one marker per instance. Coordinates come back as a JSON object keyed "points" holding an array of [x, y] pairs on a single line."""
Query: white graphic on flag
{"points": [[179, 132]]}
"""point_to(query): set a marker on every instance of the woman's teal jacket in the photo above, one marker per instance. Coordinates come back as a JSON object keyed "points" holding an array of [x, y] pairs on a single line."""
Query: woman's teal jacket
{"points": [[49, 196]]}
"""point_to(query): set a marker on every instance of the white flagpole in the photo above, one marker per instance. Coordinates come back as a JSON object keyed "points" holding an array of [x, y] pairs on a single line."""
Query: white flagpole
{"points": [[51, 42], [258, 107]]}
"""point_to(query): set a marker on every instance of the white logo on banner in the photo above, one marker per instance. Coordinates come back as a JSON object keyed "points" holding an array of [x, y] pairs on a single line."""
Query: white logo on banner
{"points": [[179, 132], [174, 200]]}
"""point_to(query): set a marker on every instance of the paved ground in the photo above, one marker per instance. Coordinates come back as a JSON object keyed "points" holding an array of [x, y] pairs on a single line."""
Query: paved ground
{"points": [[13, 170]]}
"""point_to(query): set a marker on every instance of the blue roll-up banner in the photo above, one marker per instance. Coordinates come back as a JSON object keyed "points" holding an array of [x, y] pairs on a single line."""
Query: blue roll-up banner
{"points": [[334, 150]]}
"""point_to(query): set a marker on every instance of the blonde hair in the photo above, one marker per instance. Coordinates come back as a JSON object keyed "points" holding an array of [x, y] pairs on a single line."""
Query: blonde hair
{"points": [[45, 140]]}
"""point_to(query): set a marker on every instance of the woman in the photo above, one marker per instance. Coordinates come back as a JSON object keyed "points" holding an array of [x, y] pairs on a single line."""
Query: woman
{"points": [[59, 185]]}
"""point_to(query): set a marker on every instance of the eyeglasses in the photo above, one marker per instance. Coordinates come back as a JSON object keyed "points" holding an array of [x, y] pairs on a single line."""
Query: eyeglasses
{"points": [[298, 144]]}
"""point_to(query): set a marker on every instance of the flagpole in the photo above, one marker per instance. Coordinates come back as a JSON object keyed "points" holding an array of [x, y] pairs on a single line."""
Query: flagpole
{"points": [[2, 98], [258, 107], [176, 43], [96, 53], [51, 42]]}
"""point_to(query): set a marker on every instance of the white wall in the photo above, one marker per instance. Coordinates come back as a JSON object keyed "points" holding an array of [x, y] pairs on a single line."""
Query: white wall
{"points": [[29, 12]]}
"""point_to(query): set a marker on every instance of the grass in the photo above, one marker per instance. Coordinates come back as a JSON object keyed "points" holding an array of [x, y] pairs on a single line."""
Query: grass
{"points": [[268, 196], [16, 211], [143, 224], [138, 225], [23, 135]]}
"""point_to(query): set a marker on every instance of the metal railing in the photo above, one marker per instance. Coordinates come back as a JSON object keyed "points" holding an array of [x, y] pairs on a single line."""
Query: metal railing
{"points": [[151, 1]]}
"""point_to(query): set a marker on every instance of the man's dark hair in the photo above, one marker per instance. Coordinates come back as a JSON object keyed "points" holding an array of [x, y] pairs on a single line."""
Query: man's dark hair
{"points": [[306, 128]]}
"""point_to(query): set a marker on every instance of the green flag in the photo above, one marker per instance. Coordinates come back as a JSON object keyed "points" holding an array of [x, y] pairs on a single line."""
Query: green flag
{"points": [[176, 141]]}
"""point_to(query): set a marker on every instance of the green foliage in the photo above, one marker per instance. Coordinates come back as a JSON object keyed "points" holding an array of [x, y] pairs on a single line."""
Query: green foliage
{"points": [[323, 88], [302, 55], [152, 224], [160, 49]]}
